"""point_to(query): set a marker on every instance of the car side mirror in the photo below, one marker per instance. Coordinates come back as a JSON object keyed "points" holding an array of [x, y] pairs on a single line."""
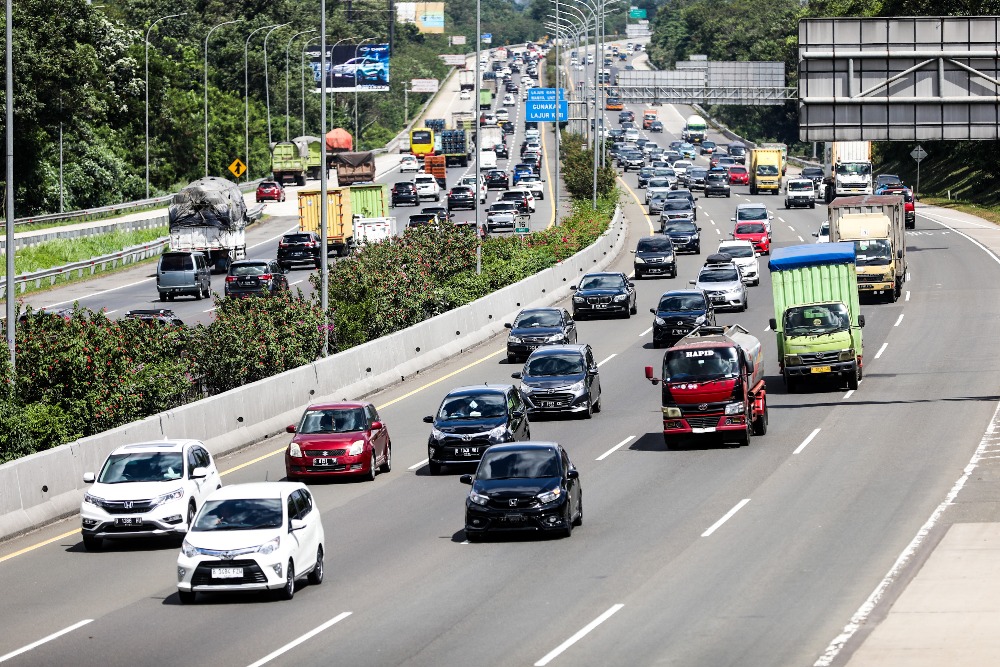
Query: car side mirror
{"points": [[816, 234], [631, 284], [199, 473], [699, 229], [650, 376], [290, 428], [428, 419], [88, 478], [770, 216], [376, 425], [861, 321], [508, 325], [572, 288], [517, 414], [296, 524], [899, 254], [732, 219], [653, 310], [572, 473], [516, 375], [773, 323], [466, 479]]}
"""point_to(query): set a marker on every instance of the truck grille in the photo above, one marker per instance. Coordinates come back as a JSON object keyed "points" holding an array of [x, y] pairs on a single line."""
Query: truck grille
{"points": [[820, 357], [871, 278], [707, 421]]}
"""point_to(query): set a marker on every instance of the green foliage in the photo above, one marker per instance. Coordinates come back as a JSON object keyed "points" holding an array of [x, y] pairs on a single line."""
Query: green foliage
{"points": [[578, 169]]}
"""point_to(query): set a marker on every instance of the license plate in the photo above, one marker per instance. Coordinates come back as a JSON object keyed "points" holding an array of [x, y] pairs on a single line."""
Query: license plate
{"points": [[655, 270], [324, 462], [513, 518], [247, 281], [718, 298], [820, 369], [227, 573], [468, 451], [600, 305], [679, 332], [547, 404], [128, 521]]}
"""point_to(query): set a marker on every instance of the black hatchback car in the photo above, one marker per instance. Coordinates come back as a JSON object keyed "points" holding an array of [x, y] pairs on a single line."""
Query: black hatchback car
{"points": [[654, 256], [405, 193], [461, 196], [497, 179], [471, 419], [535, 327], [527, 486], [299, 248], [677, 313], [684, 234], [600, 293], [561, 378], [255, 277]]}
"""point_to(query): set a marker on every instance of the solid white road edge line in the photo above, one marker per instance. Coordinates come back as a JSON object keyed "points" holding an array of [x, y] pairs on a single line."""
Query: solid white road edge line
{"points": [[602, 362], [807, 441], [726, 517], [860, 617], [645, 332], [418, 465], [899, 320], [615, 448], [43, 640], [306, 637], [907, 295], [881, 350], [802, 239], [554, 653]]}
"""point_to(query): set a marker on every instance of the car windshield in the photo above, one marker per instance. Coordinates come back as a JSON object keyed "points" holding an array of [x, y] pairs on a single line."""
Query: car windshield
{"points": [[719, 274], [681, 164], [502, 207], [550, 365], [142, 467], [676, 303], [854, 169], [750, 228], [751, 214], [602, 282], [248, 270], [658, 183], [701, 365], [817, 320], [767, 170], [697, 172], [473, 406], [737, 250], [677, 205], [800, 185], [708, 144], [530, 464], [421, 219], [717, 178], [240, 514], [824, 229], [340, 420], [646, 172], [737, 150], [538, 318], [655, 245], [685, 226], [873, 253]]}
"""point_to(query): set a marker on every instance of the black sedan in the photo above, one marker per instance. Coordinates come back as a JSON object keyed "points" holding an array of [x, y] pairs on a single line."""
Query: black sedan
{"points": [[656, 126], [253, 277], [600, 293], [529, 486], [678, 312], [405, 193], [645, 174], [461, 196], [654, 256], [497, 179], [535, 327]]}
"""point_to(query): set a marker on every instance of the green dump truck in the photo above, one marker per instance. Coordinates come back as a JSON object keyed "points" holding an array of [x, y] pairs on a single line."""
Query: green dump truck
{"points": [[817, 317]]}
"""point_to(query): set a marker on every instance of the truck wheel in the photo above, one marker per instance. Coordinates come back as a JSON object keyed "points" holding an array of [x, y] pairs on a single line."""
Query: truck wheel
{"points": [[760, 424], [744, 439], [791, 383], [854, 378]]}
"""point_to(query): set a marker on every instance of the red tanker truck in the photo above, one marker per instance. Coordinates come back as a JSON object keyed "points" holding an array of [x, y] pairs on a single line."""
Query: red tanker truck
{"points": [[713, 386]]}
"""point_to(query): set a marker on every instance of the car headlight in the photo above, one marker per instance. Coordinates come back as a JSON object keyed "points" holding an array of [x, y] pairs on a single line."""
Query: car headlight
{"points": [[270, 546], [478, 498], [93, 500], [188, 549], [499, 433], [438, 435], [671, 413], [555, 338], [793, 360], [640, 260], [621, 297], [578, 299], [847, 355], [547, 497], [167, 497], [576, 386], [294, 450], [659, 321], [513, 339], [734, 408], [357, 447], [734, 292]]}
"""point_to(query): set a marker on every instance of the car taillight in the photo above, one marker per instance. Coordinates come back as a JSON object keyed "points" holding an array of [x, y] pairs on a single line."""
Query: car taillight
{"points": [[282, 245], [230, 279], [311, 244], [266, 276]]}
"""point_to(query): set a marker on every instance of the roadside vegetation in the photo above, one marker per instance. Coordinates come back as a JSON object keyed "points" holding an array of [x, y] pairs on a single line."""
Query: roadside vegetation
{"points": [[59, 252]]}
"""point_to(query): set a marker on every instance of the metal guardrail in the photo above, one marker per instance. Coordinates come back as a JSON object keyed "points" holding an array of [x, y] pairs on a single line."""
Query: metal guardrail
{"points": [[125, 257]]}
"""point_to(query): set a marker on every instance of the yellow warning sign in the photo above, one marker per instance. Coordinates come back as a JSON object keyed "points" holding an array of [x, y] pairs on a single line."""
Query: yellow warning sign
{"points": [[237, 167]]}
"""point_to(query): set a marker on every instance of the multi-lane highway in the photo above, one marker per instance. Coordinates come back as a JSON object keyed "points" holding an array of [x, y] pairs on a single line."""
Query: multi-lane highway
{"points": [[706, 556]]}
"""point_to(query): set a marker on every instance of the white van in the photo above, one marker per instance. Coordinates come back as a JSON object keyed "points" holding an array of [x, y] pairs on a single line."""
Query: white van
{"points": [[487, 160]]}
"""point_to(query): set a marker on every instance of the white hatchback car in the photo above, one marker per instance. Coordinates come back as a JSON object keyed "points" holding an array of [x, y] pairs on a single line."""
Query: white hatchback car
{"points": [[147, 489], [745, 259], [253, 537], [508, 100], [409, 163]]}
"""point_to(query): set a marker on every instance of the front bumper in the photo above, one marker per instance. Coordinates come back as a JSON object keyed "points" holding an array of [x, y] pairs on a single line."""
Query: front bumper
{"points": [[692, 245], [717, 422], [164, 520], [792, 202], [256, 573], [327, 466], [727, 303], [836, 368], [879, 284], [560, 400], [479, 519], [612, 307], [659, 268], [668, 334]]}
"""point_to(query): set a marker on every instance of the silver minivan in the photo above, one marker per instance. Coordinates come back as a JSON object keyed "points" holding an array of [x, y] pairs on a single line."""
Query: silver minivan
{"points": [[179, 273]]}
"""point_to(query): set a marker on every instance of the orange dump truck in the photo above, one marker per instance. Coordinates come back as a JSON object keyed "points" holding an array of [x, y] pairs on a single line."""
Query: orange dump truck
{"points": [[648, 116]]}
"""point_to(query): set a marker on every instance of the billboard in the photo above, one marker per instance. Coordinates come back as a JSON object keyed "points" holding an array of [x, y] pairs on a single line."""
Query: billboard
{"points": [[424, 85], [457, 40], [427, 16], [453, 59], [364, 68]]}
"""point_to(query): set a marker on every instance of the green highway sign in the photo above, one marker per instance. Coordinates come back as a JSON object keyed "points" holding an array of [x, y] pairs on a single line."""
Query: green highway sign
{"points": [[522, 230], [637, 13]]}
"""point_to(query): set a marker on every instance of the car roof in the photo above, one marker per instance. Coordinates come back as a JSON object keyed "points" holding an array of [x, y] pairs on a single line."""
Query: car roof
{"points": [[751, 205], [525, 446], [481, 389], [548, 350], [340, 405], [735, 242], [156, 446], [255, 490], [683, 292], [249, 262]]}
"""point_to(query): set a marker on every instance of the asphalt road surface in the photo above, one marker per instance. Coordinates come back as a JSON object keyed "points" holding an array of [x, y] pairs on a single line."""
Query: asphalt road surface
{"points": [[707, 556]]}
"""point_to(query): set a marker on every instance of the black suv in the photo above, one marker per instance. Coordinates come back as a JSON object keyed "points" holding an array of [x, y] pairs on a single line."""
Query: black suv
{"points": [[684, 234], [405, 192], [470, 419], [461, 196], [561, 378], [717, 183], [654, 256], [501, 150], [644, 175], [678, 312], [299, 248], [600, 293], [497, 179], [534, 327], [250, 277], [519, 199]]}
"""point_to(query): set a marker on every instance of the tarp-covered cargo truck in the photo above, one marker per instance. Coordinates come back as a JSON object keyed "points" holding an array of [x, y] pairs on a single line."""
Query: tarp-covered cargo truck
{"points": [[210, 216], [344, 207], [713, 386], [354, 167], [817, 316], [485, 99], [876, 225], [314, 160], [290, 162], [765, 170]]}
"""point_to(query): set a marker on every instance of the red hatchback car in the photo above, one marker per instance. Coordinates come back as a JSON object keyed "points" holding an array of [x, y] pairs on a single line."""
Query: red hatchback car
{"points": [[738, 175], [270, 191], [756, 233], [336, 439]]}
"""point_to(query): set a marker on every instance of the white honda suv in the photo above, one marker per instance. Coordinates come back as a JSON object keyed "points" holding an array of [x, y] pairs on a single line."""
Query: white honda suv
{"points": [[147, 489], [427, 187], [253, 537]]}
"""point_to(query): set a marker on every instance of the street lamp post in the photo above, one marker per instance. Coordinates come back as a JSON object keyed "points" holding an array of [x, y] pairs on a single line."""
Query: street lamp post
{"points": [[357, 129], [148, 30], [246, 95], [267, 87], [287, 110], [323, 173], [207, 37], [9, 131], [475, 115], [304, 48]]}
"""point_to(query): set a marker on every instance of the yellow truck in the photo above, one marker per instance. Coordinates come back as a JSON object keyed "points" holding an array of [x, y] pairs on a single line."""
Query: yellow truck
{"points": [[876, 226], [345, 206], [765, 170]]}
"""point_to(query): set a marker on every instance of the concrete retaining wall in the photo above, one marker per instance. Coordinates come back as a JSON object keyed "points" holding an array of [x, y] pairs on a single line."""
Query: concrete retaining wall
{"points": [[49, 485]]}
